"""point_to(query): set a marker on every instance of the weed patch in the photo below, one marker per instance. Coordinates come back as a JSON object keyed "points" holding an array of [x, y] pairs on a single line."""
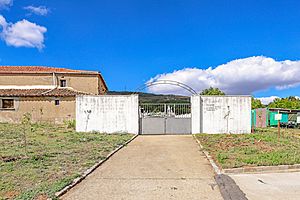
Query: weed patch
{"points": [[259, 149], [53, 156]]}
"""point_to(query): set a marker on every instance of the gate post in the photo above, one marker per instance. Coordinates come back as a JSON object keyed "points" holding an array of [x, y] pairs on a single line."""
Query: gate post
{"points": [[196, 113]]}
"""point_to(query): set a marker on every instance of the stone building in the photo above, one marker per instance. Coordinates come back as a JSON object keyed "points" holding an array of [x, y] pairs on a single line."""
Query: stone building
{"points": [[47, 93]]}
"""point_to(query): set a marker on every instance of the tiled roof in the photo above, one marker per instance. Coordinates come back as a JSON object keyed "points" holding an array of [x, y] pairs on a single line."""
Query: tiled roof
{"points": [[40, 69], [57, 92]]}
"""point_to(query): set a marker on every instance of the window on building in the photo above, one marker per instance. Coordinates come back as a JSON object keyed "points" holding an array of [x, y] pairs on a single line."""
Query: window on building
{"points": [[63, 83], [56, 102], [7, 104]]}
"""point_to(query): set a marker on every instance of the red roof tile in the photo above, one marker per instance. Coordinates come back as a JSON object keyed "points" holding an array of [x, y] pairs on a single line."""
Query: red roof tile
{"points": [[57, 92], [44, 69], [39, 69]]}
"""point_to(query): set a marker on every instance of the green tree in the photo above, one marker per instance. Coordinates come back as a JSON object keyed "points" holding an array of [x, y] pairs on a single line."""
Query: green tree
{"points": [[290, 102], [256, 103], [212, 91]]}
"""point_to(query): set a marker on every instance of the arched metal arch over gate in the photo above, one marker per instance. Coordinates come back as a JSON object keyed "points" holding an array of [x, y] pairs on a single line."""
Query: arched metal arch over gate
{"points": [[165, 118]]}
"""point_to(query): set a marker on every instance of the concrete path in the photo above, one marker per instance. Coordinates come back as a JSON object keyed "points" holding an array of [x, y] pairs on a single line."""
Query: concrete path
{"points": [[269, 186], [152, 167]]}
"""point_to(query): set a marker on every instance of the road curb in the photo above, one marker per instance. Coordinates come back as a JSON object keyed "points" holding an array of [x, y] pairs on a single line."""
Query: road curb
{"points": [[263, 169], [249, 170], [209, 158], [228, 187], [90, 170]]}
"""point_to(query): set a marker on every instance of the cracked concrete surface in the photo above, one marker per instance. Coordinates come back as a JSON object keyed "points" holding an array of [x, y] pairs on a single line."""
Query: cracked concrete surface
{"points": [[269, 186], [229, 189], [152, 167]]}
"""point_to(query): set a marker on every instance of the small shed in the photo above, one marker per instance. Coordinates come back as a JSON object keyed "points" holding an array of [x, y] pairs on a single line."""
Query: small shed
{"points": [[260, 117], [264, 117], [273, 122]]}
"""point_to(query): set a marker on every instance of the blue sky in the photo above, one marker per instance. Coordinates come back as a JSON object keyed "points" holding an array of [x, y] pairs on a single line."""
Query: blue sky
{"points": [[132, 41]]}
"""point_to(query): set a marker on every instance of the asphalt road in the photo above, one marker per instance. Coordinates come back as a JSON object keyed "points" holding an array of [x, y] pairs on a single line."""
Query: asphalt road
{"points": [[152, 167]]}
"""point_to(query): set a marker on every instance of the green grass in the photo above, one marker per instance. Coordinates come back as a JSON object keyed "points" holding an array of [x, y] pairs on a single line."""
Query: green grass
{"points": [[260, 149], [56, 155]]}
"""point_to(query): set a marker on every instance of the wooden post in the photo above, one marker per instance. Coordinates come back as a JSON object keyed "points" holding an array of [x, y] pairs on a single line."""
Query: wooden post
{"points": [[278, 126], [252, 125], [278, 129]]}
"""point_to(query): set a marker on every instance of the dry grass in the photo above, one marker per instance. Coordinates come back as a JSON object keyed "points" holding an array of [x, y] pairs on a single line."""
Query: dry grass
{"points": [[56, 155], [260, 149]]}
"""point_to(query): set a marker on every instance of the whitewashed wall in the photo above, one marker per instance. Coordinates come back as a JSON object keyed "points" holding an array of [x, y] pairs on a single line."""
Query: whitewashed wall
{"points": [[196, 114], [107, 113], [222, 114]]}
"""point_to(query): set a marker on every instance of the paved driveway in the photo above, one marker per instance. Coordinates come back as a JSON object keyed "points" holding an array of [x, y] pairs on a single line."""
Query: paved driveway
{"points": [[152, 167]]}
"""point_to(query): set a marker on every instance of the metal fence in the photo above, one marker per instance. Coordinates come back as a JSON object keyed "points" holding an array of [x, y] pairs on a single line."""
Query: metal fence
{"points": [[181, 110]]}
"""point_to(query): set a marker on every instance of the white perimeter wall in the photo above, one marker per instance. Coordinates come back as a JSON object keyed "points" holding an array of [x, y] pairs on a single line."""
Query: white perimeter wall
{"points": [[195, 111], [107, 113], [221, 114]]}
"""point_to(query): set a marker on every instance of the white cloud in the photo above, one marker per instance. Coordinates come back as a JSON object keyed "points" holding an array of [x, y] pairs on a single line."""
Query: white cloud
{"points": [[2, 21], [39, 10], [241, 76], [4, 4], [267, 100], [22, 34]]}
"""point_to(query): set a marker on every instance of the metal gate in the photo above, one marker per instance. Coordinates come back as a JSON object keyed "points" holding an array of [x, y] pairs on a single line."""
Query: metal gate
{"points": [[165, 118]]}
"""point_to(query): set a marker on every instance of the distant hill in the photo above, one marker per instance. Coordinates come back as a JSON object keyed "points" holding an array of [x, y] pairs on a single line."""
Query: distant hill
{"points": [[154, 98]]}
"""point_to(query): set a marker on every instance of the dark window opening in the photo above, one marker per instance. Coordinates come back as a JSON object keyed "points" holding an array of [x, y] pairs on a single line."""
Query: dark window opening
{"points": [[7, 103], [56, 102], [63, 83]]}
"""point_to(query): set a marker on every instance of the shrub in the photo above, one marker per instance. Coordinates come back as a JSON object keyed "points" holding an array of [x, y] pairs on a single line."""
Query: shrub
{"points": [[70, 123]]}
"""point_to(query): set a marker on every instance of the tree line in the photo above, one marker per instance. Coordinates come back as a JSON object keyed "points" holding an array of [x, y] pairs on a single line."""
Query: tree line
{"points": [[290, 102]]}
